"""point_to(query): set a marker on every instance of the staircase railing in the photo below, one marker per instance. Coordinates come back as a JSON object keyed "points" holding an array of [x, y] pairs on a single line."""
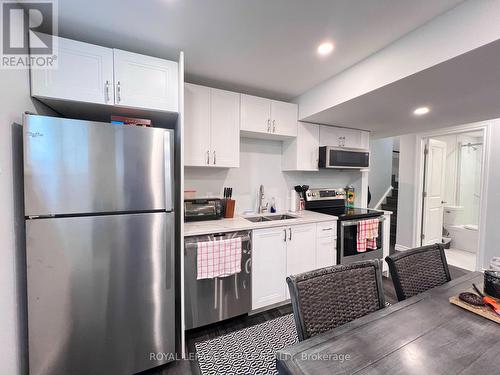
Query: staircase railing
{"points": [[386, 194]]}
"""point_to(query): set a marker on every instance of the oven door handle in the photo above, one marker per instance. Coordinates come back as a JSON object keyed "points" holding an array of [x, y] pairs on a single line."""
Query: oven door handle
{"points": [[350, 223]]}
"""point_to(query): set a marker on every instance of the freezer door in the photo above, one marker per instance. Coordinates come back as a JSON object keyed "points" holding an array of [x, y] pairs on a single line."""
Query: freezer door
{"points": [[74, 167], [100, 293]]}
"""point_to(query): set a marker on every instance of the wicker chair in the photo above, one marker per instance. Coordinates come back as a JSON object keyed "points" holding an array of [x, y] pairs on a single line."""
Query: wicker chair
{"points": [[329, 297], [417, 270]]}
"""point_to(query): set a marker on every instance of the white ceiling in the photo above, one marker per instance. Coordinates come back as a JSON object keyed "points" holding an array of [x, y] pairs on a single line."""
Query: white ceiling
{"points": [[458, 91], [262, 47]]}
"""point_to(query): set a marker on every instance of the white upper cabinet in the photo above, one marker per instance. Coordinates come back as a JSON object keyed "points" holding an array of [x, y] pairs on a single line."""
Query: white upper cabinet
{"points": [[145, 82], [301, 153], [196, 125], [94, 74], [265, 118], [343, 137], [84, 73], [284, 118], [225, 128], [211, 127], [255, 114]]}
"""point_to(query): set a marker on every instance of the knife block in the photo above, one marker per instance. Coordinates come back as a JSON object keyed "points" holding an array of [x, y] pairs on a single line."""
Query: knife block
{"points": [[229, 211]]}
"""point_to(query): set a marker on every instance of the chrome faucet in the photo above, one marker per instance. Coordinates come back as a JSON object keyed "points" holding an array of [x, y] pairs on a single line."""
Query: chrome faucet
{"points": [[262, 208]]}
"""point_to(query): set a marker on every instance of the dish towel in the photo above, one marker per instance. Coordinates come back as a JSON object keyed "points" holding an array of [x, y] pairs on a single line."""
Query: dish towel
{"points": [[219, 258], [367, 235]]}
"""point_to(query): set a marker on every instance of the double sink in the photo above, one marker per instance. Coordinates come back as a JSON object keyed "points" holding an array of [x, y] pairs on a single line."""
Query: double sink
{"points": [[260, 219]]}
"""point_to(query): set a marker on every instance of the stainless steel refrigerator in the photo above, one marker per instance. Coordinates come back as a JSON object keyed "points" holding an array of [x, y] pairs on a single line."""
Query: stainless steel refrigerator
{"points": [[99, 246]]}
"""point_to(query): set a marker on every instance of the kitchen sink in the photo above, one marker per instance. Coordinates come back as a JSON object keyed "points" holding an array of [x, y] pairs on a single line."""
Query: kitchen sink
{"points": [[257, 219], [280, 217]]}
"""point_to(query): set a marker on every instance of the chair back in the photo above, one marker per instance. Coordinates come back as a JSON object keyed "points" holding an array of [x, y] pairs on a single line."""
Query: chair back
{"points": [[329, 297], [417, 270]]}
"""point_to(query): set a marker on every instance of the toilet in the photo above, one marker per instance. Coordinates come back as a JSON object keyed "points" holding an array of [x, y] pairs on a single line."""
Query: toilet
{"points": [[463, 237]]}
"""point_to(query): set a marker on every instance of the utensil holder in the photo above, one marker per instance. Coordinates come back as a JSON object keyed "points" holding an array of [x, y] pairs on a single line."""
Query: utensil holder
{"points": [[230, 205]]}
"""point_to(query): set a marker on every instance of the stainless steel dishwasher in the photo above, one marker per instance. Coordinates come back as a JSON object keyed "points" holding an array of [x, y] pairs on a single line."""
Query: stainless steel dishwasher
{"points": [[212, 300]]}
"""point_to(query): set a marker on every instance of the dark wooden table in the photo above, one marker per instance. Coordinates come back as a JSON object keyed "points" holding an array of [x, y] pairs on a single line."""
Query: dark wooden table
{"points": [[422, 335]]}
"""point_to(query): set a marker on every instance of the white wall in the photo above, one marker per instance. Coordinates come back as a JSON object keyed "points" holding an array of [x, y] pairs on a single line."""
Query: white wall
{"points": [[260, 163], [14, 100], [406, 195], [379, 177]]}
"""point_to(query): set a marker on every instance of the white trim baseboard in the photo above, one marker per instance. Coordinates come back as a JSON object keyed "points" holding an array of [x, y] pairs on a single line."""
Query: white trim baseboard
{"points": [[401, 247]]}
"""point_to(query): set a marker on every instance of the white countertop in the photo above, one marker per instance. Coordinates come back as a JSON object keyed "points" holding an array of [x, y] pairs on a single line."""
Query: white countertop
{"points": [[237, 223]]}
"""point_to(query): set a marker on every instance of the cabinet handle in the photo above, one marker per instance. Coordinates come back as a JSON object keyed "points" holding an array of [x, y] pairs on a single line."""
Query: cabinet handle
{"points": [[215, 159], [284, 230], [290, 237], [274, 126], [328, 229], [118, 92], [268, 125], [107, 91], [208, 157]]}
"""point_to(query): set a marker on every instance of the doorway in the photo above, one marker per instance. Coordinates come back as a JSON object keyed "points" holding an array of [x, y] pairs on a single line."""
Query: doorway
{"points": [[451, 198]]}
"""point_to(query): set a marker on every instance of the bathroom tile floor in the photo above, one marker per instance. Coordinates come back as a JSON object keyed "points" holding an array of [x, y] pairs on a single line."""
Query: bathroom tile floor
{"points": [[460, 258]]}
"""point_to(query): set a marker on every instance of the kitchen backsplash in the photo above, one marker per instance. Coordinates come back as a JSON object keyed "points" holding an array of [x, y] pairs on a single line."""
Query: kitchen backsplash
{"points": [[260, 163]]}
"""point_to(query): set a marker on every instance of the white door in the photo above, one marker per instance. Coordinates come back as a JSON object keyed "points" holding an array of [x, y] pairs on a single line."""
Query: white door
{"points": [[145, 82], [225, 128], [268, 267], [196, 125], [255, 114], [434, 192], [84, 73], [284, 118]]}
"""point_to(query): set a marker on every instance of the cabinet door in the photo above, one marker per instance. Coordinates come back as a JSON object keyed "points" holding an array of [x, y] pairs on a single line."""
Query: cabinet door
{"points": [[301, 249], [330, 136], [284, 118], [196, 125], [225, 128], [326, 251], [268, 267], [145, 82], [84, 73], [308, 147], [255, 114], [351, 138]]}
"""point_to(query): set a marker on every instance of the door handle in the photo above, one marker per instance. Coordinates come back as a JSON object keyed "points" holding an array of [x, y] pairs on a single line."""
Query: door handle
{"points": [[208, 157], [215, 159], [107, 91], [290, 236], [268, 125], [274, 126], [118, 92]]}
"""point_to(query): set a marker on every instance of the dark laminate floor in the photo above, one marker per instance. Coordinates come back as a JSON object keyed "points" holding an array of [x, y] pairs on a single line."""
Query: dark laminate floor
{"points": [[231, 325]]}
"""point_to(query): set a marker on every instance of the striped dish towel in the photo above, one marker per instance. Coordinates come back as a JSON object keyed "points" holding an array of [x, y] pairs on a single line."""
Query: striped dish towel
{"points": [[219, 258], [367, 235]]}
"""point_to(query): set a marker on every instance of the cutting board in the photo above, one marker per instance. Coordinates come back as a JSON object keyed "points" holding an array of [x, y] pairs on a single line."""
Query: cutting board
{"points": [[484, 311]]}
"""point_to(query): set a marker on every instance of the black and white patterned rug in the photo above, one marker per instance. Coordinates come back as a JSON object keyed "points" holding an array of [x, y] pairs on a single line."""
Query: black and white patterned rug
{"points": [[248, 351]]}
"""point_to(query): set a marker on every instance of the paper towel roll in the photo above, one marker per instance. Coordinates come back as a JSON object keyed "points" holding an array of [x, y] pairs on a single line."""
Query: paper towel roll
{"points": [[293, 200]]}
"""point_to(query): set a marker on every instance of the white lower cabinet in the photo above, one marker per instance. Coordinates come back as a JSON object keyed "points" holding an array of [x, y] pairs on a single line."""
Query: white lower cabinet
{"points": [[326, 252], [268, 267], [288, 250]]}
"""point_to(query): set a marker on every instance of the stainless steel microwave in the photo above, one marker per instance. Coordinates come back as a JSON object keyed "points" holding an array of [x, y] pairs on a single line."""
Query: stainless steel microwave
{"points": [[344, 158]]}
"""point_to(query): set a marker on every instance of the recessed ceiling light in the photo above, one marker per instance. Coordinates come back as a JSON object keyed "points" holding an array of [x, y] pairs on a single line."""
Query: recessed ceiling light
{"points": [[421, 111], [325, 48]]}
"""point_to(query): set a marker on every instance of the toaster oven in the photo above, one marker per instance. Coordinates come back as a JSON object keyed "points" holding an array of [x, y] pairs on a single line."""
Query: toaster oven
{"points": [[202, 209]]}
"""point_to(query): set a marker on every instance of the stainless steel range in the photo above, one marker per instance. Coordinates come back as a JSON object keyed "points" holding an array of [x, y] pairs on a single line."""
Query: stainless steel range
{"points": [[332, 202]]}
